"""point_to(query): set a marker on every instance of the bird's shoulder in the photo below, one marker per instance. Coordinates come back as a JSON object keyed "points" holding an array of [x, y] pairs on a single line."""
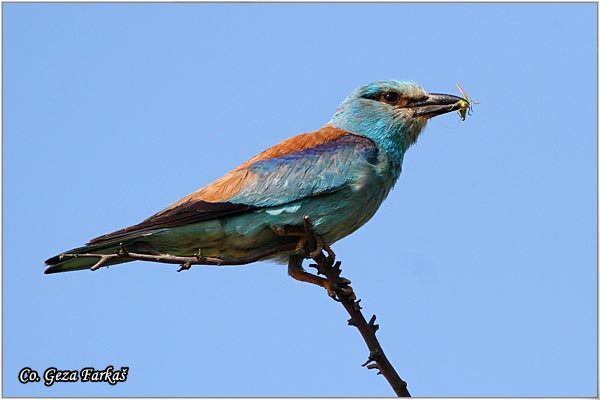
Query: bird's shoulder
{"points": [[298, 143], [306, 147]]}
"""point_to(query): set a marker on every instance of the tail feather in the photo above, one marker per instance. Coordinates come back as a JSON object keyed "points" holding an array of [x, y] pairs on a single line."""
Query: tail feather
{"points": [[61, 263]]}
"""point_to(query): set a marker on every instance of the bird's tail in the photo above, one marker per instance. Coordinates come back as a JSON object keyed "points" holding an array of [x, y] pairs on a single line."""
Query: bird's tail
{"points": [[65, 262]]}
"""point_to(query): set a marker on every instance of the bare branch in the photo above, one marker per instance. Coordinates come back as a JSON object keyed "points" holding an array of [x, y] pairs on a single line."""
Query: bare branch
{"points": [[184, 261], [327, 266], [311, 246]]}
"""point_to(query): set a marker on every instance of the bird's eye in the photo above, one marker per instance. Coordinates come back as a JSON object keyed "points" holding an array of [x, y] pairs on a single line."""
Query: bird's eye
{"points": [[390, 97]]}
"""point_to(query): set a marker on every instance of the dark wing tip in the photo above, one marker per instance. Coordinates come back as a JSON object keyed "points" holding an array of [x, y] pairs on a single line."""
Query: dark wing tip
{"points": [[191, 212]]}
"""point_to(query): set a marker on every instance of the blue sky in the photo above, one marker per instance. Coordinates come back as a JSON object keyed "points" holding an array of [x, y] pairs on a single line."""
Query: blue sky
{"points": [[480, 265]]}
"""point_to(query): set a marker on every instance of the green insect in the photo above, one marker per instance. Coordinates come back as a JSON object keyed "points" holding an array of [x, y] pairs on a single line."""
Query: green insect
{"points": [[466, 104]]}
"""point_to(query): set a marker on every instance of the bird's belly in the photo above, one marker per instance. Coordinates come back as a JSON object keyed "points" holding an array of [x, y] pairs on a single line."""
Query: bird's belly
{"points": [[347, 213]]}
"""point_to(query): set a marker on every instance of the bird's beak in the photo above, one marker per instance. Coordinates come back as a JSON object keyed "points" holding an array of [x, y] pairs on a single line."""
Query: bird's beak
{"points": [[436, 104]]}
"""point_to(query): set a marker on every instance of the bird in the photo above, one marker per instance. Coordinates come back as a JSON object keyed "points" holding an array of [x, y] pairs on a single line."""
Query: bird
{"points": [[338, 176]]}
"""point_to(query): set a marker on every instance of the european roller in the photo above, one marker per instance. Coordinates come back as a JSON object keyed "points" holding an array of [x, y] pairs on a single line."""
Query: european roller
{"points": [[338, 176]]}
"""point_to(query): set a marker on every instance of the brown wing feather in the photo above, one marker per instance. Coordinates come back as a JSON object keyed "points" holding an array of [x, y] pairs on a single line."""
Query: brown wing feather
{"points": [[227, 186]]}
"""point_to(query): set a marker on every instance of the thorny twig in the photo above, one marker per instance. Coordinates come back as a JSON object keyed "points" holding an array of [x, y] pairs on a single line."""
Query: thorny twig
{"points": [[325, 265], [185, 262]]}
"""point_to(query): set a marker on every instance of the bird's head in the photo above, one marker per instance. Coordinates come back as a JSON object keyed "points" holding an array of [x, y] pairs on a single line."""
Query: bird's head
{"points": [[392, 113]]}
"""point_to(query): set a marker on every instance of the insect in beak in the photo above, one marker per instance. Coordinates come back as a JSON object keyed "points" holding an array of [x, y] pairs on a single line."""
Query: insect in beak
{"points": [[466, 104]]}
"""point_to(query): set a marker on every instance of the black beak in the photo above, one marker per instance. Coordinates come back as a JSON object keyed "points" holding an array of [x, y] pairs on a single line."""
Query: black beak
{"points": [[436, 104]]}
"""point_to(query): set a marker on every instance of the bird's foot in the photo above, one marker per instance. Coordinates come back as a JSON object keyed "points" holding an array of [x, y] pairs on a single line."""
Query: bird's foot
{"points": [[314, 250], [309, 244], [314, 247], [296, 271], [321, 245], [338, 286]]}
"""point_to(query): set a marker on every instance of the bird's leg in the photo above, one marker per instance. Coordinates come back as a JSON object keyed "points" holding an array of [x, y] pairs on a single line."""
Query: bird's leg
{"points": [[317, 243], [309, 243], [296, 271], [294, 231], [321, 245], [330, 254], [309, 246]]}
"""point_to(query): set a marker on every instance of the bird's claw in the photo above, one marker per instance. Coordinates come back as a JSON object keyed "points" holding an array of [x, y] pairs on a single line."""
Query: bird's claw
{"points": [[341, 288], [318, 246], [330, 254], [315, 252]]}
